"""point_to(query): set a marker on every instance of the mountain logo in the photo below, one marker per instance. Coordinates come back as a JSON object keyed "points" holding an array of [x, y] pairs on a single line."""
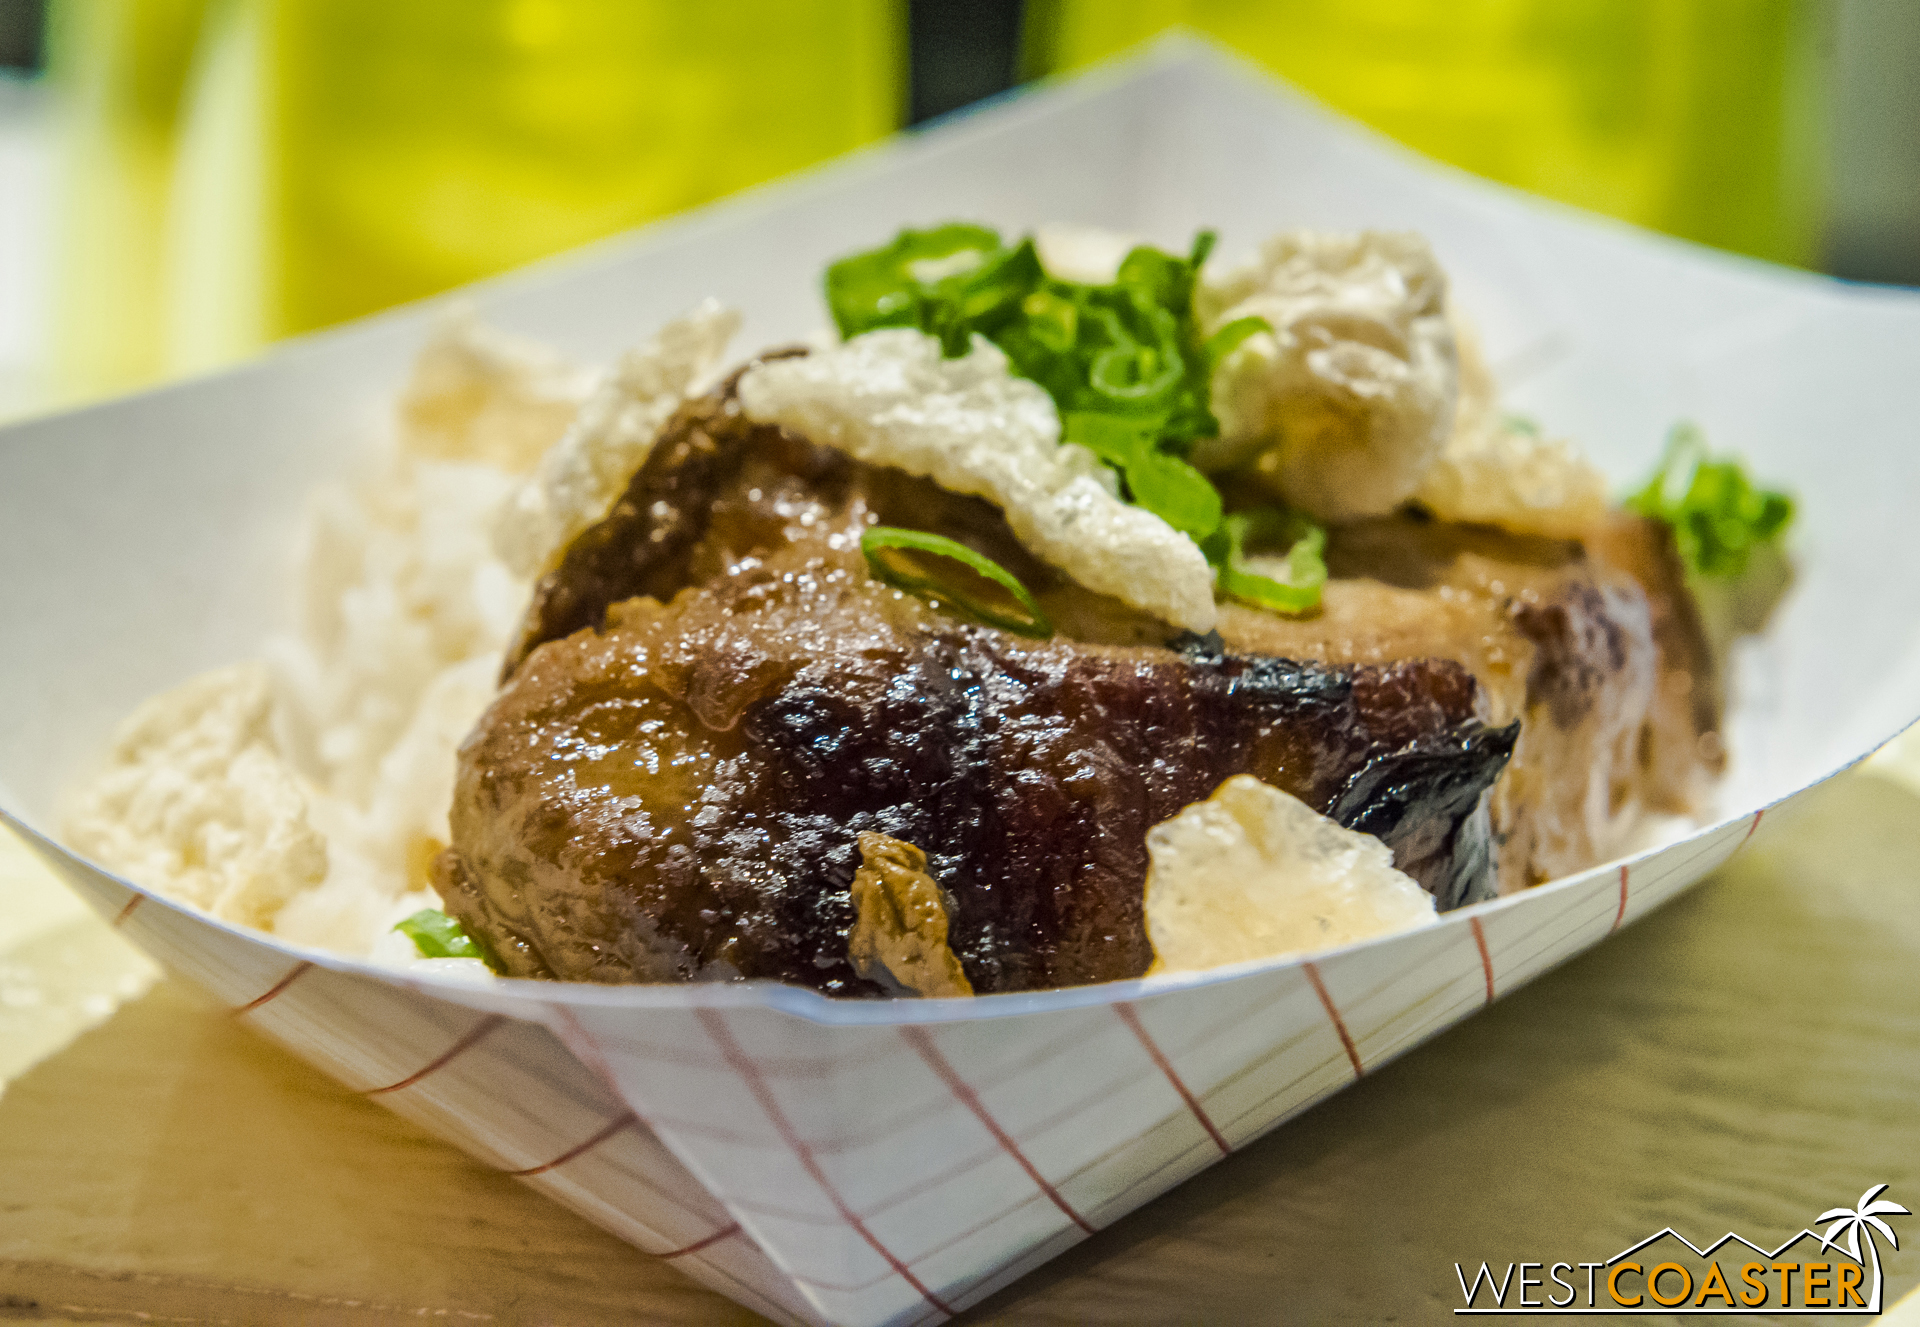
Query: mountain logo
{"points": [[1668, 1273]]}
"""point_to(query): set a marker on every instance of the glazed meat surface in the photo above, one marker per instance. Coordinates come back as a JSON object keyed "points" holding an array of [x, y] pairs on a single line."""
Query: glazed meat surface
{"points": [[1593, 646], [711, 700], [718, 487], [678, 796]]}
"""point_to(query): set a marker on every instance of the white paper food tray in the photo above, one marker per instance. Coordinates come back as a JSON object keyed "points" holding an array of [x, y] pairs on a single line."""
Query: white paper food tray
{"points": [[891, 1162]]}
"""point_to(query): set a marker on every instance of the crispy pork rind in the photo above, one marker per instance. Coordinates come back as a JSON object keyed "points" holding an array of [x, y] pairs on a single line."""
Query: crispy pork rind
{"points": [[198, 804], [583, 473], [478, 394], [1253, 872], [1346, 403], [890, 398], [1498, 470]]}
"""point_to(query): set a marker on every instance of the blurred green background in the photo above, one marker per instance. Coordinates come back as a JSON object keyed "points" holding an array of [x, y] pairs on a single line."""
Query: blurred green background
{"points": [[214, 174]]}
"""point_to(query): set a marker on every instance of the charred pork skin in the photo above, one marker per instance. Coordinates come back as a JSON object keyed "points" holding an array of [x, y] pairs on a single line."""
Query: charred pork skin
{"points": [[679, 796]]}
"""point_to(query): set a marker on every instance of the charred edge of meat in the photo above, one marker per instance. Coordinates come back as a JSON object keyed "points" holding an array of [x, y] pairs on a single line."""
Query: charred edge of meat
{"points": [[1027, 773], [640, 546], [1424, 802], [1207, 648], [1579, 646], [1312, 689]]}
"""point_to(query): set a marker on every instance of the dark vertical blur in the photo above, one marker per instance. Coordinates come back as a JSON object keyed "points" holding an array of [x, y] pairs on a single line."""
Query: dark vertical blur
{"points": [[960, 51], [21, 22], [1873, 205]]}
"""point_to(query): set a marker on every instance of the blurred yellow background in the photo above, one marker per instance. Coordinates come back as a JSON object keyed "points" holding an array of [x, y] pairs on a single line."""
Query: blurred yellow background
{"points": [[234, 171], [238, 170], [1700, 118]]}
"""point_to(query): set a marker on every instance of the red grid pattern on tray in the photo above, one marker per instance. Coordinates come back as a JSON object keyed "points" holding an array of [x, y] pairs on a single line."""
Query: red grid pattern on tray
{"points": [[1131, 1017], [727, 1231], [1223, 1034], [1151, 1182], [844, 1285], [351, 1026], [1362, 999], [963, 1163], [1486, 959], [586, 1049], [1339, 1024], [923, 1046], [791, 1068], [1658, 877], [608, 1130], [716, 1027], [1143, 1186], [1439, 978], [924, 1256], [468, 1040], [275, 991], [1154, 1180], [840, 1285]]}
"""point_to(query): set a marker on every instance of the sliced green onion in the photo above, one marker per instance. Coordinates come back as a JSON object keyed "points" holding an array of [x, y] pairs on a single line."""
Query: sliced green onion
{"points": [[1113, 438], [1142, 369], [1175, 492], [1052, 321], [437, 935], [1123, 361], [951, 281], [1160, 279], [1163, 484], [1230, 338], [1298, 591], [878, 288], [1717, 514], [899, 557]]}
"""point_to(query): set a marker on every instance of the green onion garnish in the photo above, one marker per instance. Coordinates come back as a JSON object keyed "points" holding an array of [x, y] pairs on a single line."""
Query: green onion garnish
{"points": [[924, 563], [1157, 480], [951, 281], [1305, 567], [437, 935], [1123, 361], [1717, 514], [1228, 339]]}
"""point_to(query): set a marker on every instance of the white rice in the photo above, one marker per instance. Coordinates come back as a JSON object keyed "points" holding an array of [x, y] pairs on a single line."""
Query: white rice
{"points": [[348, 729]]}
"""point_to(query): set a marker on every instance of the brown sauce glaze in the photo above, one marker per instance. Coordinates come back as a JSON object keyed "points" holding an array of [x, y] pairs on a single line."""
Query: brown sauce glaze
{"points": [[710, 700], [679, 796], [1592, 645]]}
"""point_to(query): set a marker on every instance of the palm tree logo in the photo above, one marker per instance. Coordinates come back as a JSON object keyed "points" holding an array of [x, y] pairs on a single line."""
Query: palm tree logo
{"points": [[1863, 1218]]}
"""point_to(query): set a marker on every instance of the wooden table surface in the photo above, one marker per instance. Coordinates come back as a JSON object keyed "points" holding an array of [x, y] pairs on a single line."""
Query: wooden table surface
{"points": [[1745, 1058]]}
